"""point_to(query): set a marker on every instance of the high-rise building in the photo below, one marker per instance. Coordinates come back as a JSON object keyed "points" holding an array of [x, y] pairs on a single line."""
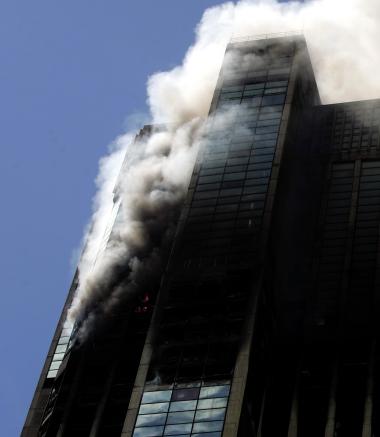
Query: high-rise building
{"points": [[264, 322]]}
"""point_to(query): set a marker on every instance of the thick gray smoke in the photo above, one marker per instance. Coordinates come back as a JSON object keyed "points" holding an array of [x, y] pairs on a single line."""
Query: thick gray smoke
{"points": [[342, 37]]}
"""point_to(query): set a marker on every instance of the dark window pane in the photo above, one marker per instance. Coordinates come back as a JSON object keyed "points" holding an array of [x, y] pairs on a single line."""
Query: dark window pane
{"points": [[185, 394], [234, 176], [210, 178], [273, 100]]}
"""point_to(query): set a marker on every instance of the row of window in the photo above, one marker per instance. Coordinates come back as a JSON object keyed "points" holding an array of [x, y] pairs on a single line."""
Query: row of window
{"points": [[236, 176], [251, 89], [241, 156], [365, 246], [231, 118], [334, 238], [187, 411], [249, 74], [255, 101], [60, 350], [356, 128], [235, 168], [238, 149]]}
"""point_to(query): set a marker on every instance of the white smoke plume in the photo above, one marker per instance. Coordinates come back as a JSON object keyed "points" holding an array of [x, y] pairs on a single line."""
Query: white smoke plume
{"points": [[342, 36]]}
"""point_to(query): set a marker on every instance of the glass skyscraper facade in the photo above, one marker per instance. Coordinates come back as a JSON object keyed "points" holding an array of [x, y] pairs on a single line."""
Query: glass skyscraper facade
{"points": [[265, 320]]}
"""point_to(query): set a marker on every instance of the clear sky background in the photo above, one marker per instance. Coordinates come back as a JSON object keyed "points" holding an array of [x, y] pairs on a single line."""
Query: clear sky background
{"points": [[71, 72]]}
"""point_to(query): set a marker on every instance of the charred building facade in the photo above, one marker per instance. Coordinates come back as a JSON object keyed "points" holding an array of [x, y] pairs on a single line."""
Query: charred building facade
{"points": [[264, 322]]}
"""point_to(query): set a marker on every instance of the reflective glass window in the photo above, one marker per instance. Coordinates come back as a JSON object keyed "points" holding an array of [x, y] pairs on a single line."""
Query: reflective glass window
{"points": [[183, 406], [232, 88], [61, 348], [154, 408], [57, 357], [55, 365], [264, 151], [273, 100], [257, 181], [270, 116], [241, 146], [182, 428], [271, 109], [269, 122], [277, 83], [208, 187], [230, 192], [252, 92], [270, 136], [208, 426], [266, 129], [156, 396], [234, 176], [254, 86], [261, 158], [255, 101], [207, 415], [205, 194], [214, 391], [275, 90], [66, 332], [210, 434], [213, 164], [234, 168], [151, 419], [149, 431], [180, 417]]}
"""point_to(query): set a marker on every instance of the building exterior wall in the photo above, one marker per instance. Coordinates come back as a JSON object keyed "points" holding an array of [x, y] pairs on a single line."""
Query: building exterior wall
{"points": [[266, 318]]}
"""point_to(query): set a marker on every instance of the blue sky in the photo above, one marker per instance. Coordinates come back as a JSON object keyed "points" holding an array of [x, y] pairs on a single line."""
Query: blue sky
{"points": [[71, 73]]}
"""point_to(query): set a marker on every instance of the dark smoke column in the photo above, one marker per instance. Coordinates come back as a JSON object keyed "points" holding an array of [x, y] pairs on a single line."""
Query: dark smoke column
{"points": [[264, 321]]}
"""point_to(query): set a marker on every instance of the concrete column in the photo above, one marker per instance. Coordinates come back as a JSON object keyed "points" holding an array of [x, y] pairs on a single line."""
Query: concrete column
{"points": [[331, 412], [293, 421], [368, 404], [260, 427], [235, 402], [102, 404]]}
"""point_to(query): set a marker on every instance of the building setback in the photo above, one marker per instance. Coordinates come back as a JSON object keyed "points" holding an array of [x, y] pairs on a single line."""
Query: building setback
{"points": [[265, 320]]}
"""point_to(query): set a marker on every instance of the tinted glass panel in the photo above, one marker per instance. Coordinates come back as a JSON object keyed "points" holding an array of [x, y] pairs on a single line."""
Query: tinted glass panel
{"points": [[211, 403], [151, 419], [208, 426], [185, 394], [207, 415], [178, 429], [154, 408], [156, 396], [181, 417], [183, 405], [150, 431]]}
